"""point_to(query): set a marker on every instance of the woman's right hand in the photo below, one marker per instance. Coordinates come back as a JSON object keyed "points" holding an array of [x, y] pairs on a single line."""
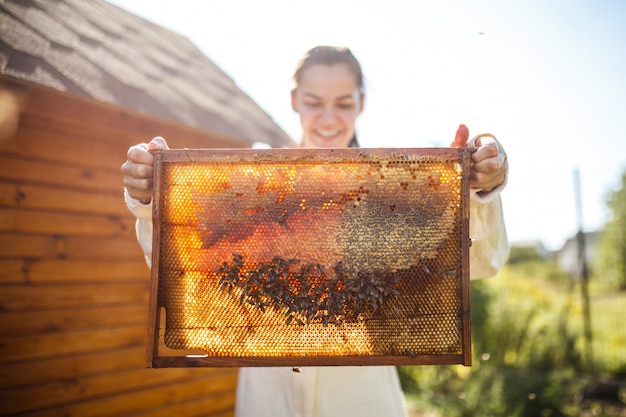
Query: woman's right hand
{"points": [[138, 168]]}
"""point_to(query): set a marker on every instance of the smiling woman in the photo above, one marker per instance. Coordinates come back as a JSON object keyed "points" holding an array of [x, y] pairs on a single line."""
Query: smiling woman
{"points": [[328, 96]]}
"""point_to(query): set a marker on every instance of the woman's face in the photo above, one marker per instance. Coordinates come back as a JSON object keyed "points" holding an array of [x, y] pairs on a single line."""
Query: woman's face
{"points": [[328, 101]]}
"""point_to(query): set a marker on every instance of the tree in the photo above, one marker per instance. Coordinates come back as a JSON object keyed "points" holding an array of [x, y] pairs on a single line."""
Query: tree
{"points": [[612, 254]]}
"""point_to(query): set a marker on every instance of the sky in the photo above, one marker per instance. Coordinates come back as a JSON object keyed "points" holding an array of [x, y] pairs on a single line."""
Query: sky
{"points": [[546, 77]]}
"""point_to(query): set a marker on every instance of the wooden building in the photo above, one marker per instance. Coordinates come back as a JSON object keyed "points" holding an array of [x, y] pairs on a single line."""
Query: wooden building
{"points": [[80, 82]]}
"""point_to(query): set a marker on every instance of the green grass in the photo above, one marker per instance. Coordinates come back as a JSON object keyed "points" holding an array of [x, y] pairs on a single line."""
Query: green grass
{"points": [[608, 331]]}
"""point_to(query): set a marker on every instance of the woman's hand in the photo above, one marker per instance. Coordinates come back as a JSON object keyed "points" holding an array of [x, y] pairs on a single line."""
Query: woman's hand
{"points": [[138, 168], [489, 165]]}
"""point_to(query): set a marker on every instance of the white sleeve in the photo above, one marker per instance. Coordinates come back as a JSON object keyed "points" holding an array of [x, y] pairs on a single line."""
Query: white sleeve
{"points": [[143, 225], [490, 245]]}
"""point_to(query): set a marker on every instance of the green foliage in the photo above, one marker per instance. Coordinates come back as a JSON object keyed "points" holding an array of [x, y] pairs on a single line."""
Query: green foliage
{"points": [[611, 265], [608, 311], [525, 358], [523, 254]]}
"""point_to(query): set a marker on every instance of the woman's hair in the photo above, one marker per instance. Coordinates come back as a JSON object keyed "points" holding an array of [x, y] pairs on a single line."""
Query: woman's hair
{"points": [[331, 55]]}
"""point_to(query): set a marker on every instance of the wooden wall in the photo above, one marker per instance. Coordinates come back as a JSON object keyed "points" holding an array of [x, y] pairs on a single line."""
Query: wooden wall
{"points": [[73, 282]]}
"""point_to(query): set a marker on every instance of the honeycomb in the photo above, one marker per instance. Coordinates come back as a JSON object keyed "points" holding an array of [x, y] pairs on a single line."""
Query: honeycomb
{"points": [[298, 256]]}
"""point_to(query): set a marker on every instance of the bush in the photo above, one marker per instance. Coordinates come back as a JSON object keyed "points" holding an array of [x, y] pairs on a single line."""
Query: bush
{"points": [[524, 351]]}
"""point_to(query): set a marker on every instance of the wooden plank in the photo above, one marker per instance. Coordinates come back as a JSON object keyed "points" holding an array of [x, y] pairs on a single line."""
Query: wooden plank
{"points": [[41, 222], [132, 402], [25, 323], [69, 343], [37, 139], [52, 198], [116, 125], [11, 272], [86, 389], [72, 271], [216, 405], [42, 297], [17, 245], [48, 145], [80, 174], [115, 248], [49, 370], [34, 247]]}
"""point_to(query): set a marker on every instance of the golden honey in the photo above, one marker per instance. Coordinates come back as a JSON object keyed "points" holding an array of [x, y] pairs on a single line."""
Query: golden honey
{"points": [[313, 257]]}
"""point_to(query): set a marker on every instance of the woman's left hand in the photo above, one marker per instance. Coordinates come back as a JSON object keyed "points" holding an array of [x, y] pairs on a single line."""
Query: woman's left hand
{"points": [[489, 165]]}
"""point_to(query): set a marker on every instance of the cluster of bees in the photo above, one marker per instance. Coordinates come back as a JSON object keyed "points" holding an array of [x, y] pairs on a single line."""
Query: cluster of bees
{"points": [[306, 292]]}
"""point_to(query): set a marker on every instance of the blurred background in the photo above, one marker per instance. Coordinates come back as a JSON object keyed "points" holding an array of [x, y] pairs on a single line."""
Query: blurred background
{"points": [[81, 81]]}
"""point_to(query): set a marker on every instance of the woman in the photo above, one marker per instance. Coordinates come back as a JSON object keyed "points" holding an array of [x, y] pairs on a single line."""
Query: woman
{"points": [[328, 95]]}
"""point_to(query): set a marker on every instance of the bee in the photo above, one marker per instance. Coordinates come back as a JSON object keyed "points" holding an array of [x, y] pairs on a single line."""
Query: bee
{"points": [[448, 274]]}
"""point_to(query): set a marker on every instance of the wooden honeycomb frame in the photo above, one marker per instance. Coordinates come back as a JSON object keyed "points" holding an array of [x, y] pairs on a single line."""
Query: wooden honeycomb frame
{"points": [[294, 257]]}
